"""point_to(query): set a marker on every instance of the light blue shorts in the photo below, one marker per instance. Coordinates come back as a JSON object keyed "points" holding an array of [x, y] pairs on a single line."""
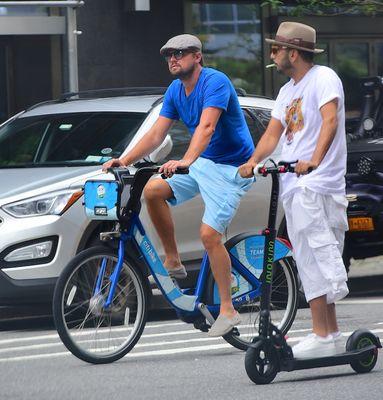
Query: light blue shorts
{"points": [[220, 186]]}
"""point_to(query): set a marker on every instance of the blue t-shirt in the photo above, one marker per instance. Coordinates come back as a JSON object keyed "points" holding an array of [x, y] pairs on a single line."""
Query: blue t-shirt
{"points": [[231, 142]]}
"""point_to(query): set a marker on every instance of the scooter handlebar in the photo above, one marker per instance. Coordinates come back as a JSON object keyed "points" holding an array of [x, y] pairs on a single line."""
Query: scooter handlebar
{"points": [[281, 168]]}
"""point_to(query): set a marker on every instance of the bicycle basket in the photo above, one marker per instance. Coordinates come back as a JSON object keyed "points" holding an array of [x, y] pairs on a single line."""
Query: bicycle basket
{"points": [[102, 199]]}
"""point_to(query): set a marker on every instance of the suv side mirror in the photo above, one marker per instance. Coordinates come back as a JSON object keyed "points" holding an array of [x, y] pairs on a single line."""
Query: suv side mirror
{"points": [[161, 151]]}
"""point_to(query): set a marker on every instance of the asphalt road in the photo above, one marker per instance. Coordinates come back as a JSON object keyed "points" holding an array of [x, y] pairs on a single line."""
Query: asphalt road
{"points": [[173, 361], [365, 279]]}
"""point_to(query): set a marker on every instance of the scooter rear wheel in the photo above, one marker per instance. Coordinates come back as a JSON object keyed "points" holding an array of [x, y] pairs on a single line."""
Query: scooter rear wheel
{"points": [[261, 363], [357, 341]]}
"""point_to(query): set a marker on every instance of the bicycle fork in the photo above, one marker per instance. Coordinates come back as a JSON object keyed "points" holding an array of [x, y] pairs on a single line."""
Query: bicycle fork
{"points": [[113, 279]]}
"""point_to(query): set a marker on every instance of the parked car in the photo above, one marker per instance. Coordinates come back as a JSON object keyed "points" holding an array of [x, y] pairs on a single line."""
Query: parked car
{"points": [[47, 153], [364, 185]]}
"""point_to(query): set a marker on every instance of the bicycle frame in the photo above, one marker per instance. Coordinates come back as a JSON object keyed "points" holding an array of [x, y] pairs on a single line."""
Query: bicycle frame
{"points": [[182, 302], [186, 302]]}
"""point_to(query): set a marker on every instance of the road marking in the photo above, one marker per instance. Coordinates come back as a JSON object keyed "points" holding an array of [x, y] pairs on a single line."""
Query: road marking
{"points": [[360, 301], [151, 344], [134, 354], [150, 335], [130, 355]]}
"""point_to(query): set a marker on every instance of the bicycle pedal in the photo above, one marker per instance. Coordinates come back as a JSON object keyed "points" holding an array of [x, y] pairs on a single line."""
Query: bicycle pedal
{"points": [[105, 236], [235, 332], [201, 325]]}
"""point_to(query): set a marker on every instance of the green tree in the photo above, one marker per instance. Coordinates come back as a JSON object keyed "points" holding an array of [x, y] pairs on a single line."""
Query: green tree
{"points": [[329, 8]]}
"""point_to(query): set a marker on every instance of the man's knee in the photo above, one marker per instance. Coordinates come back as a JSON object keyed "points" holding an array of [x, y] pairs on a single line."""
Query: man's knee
{"points": [[210, 237], [157, 189]]}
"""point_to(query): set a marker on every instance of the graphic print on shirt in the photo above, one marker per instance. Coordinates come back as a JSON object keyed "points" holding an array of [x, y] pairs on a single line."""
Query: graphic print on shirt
{"points": [[294, 119]]}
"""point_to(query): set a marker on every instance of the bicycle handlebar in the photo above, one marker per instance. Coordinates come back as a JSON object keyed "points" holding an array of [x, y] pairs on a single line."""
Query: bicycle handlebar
{"points": [[281, 168], [122, 173], [179, 171], [138, 182]]}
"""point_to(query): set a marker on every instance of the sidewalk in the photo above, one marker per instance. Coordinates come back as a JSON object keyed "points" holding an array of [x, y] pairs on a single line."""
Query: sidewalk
{"points": [[366, 277], [367, 267]]}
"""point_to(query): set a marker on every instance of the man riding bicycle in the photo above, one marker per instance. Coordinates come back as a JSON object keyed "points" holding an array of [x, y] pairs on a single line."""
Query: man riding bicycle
{"points": [[206, 101]]}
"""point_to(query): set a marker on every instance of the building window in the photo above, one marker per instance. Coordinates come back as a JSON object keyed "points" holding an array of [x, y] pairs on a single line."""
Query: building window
{"points": [[23, 11], [351, 63], [231, 37]]}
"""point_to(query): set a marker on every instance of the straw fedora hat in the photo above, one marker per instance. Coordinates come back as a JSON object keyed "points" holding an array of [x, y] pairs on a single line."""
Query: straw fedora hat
{"points": [[297, 36]]}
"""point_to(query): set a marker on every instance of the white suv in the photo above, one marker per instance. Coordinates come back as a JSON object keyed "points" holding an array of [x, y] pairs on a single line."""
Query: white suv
{"points": [[47, 153]]}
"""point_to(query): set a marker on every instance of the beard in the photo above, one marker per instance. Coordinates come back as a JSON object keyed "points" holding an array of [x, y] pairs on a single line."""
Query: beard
{"points": [[184, 73], [285, 65]]}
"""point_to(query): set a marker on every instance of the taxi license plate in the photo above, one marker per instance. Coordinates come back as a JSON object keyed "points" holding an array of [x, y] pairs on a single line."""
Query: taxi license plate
{"points": [[361, 224]]}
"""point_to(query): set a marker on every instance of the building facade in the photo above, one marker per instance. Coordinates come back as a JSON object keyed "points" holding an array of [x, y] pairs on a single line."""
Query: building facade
{"points": [[119, 46]]}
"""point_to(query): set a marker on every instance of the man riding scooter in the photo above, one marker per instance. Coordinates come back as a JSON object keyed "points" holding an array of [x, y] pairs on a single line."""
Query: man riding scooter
{"points": [[309, 114]]}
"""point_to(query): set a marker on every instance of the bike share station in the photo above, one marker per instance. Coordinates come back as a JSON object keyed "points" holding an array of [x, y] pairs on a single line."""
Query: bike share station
{"points": [[101, 298]]}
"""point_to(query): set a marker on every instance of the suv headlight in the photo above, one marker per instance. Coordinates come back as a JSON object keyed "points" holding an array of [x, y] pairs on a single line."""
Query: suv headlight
{"points": [[55, 203]]}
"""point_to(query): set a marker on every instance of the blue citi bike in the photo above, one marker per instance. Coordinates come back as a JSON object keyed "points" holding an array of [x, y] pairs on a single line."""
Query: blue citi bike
{"points": [[101, 298]]}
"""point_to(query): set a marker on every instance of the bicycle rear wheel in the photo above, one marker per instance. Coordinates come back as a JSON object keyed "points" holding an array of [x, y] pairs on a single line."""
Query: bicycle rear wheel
{"points": [[90, 331], [284, 299]]}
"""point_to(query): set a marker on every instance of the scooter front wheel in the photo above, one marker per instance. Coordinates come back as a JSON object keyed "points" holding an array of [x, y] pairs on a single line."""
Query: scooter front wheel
{"points": [[261, 363], [357, 341]]}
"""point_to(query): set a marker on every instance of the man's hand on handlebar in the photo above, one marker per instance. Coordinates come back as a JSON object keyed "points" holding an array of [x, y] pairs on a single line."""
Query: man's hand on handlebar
{"points": [[170, 167], [304, 167], [114, 162], [247, 170]]}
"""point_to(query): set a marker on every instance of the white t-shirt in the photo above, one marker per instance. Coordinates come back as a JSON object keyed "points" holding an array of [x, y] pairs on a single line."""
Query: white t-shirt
{"points": [[298, 108]]}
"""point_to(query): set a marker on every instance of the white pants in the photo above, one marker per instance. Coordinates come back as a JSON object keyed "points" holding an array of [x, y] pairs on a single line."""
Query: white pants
{"points": [[316, 225]]}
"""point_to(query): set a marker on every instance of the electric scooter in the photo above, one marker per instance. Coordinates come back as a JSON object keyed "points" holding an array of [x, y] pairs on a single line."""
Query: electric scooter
{"points": [[269, 352]]}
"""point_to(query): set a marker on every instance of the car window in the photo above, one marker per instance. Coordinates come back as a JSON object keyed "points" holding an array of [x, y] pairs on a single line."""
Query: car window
{"points": [[19, 141], [67, 138], [181, 139], [257, 120]]}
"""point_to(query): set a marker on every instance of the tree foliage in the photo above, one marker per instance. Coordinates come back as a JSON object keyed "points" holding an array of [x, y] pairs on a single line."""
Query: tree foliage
{"points": [[329, 8]]}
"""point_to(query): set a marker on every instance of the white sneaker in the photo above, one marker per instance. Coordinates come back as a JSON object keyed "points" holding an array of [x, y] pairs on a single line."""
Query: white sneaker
{"points": [[313, 346], [339, 342]]}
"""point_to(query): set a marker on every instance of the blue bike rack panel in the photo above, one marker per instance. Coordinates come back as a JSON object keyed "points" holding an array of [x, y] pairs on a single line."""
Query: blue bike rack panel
{"points": [[101, 200]]}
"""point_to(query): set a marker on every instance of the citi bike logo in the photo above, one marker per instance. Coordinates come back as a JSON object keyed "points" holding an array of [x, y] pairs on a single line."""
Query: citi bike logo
{"points": [[150, 251], [269, 262]]}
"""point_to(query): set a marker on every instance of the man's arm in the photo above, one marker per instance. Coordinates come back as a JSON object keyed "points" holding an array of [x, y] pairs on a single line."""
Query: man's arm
{"points": [[265, 147], [200, 140], [149, 142], [326, 137]]}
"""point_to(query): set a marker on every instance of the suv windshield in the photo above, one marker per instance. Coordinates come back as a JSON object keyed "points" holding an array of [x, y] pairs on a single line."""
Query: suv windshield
{"points": [[66, 139]]}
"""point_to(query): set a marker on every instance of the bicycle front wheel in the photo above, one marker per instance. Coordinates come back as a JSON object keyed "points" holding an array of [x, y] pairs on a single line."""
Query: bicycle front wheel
{"points": [[284, 299], [92, 332]]}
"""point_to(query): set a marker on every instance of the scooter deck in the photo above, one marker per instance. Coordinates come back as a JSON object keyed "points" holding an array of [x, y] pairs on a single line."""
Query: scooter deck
{"points": [[337, 359]]}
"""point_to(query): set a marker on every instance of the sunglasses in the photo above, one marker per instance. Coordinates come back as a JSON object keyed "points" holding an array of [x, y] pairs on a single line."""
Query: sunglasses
{"points": [[275, 49], [177, 54]]}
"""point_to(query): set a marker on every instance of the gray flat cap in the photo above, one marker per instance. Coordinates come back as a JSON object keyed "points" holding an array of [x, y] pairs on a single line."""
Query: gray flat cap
{"points": [[182, 42]]}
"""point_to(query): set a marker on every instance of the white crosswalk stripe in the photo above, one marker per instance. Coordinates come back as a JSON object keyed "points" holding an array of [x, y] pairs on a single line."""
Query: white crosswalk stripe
{"points": [[159, 339]]}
